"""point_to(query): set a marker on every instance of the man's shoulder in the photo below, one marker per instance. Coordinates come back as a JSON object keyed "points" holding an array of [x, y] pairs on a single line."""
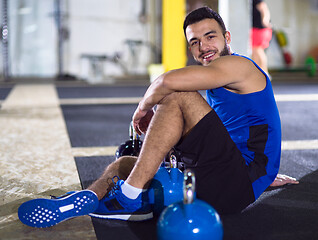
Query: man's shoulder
{"points": [[244, 74], [236, 61], [240, 56]]}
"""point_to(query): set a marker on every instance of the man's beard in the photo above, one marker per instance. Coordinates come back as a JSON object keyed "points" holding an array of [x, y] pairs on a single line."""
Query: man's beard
{"points": [[225, 51]]}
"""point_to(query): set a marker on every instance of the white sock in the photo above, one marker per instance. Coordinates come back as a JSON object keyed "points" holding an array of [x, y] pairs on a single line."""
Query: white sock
{"points": [[130, 191]]}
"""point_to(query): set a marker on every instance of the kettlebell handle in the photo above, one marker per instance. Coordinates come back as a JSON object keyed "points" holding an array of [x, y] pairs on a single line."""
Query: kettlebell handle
{"points": [[132, 133], [173, 161], [188, 187]]}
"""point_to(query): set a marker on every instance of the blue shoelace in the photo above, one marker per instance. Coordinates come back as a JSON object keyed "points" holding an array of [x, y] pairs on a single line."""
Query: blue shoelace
{"points": [[116, 187]]}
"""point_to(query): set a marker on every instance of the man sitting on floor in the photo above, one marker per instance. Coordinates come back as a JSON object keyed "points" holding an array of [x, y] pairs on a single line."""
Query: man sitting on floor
{"points": [[232, 141]]}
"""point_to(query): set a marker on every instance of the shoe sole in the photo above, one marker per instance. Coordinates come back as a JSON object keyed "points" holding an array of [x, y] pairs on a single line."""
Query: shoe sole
{"points": [[126, 217], [42, 213]]}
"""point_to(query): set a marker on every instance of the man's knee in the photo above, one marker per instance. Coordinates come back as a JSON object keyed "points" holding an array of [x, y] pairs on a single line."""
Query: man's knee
{"points": [[192, 105], [182, 97]]}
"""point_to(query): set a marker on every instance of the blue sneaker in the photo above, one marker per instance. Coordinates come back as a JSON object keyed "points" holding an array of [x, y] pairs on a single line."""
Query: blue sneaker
{"points": [[43, 213], [115, 205]]}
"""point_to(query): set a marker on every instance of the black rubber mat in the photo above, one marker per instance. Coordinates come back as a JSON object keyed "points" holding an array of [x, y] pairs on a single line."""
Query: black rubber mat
{"points": [[295, 88], [98, 125], [4, 92], [299, 120], [101, 91], [116, 229], [88, 174], [288, 212]]}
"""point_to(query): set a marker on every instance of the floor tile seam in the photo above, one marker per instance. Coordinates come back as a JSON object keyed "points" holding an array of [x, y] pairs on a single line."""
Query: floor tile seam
{"points": [[136, 100], [295, 97], [102, 101], [92, 151], [300, 144]]}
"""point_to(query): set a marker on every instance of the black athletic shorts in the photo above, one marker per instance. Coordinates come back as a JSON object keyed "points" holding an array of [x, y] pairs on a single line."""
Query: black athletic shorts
{"points": [[221, 173]]}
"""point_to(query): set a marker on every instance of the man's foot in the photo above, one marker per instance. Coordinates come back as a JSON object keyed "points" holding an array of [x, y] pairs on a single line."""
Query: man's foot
{"points": [[42, 213], [115, 205]]}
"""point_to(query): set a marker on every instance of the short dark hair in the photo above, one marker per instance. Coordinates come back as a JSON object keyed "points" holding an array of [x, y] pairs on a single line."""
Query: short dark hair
{"points": [[201, 14]]}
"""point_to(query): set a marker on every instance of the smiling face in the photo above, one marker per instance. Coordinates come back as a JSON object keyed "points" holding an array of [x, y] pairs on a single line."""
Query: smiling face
{"points": [[206, 41]]}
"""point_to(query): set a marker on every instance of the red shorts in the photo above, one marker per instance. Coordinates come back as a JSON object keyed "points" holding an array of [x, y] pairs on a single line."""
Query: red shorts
{"points": [[260, 37]]}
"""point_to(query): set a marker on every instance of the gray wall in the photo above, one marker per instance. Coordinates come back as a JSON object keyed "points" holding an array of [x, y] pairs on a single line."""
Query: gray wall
{"points": [[102, 26]]}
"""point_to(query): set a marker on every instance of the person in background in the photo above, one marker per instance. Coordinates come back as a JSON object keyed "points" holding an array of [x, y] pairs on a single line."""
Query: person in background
{"points": [[261, 33]]}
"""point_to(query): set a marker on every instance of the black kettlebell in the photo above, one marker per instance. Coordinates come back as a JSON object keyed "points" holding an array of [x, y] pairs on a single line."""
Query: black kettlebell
{"points": [[131, 147]]}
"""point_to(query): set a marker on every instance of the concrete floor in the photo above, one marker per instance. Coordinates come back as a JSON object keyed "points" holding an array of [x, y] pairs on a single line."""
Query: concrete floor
{"points": [[56, 137]]}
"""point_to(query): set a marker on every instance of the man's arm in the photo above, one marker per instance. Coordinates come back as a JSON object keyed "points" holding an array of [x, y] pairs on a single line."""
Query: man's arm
{"points": [[232, 72]]}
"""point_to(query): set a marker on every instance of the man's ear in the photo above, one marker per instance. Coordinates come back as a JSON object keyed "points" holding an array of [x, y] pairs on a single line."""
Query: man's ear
{"points": [[227, 37]]}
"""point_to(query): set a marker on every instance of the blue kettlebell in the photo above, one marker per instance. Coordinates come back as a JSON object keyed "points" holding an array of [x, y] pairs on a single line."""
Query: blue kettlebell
{"points": [[166, 186], [191, 218]]}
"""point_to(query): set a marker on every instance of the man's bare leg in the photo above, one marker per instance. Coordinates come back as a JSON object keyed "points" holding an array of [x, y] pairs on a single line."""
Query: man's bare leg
{"points": [[121, 168], [176, 115]]}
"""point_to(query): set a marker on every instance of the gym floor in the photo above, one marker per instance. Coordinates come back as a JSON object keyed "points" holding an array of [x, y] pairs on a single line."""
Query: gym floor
{"points": [[59, 136]]}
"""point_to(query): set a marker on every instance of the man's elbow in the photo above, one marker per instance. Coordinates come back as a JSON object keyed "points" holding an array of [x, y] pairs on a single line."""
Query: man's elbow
{"points": [[168, 82]]}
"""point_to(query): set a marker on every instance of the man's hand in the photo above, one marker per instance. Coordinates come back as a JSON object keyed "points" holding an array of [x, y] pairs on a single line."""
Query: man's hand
{"points": [[141, 120], [281, 180]]}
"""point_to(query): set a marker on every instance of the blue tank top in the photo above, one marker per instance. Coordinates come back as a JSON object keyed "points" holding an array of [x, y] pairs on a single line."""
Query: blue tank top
{"points": [[253, 123]]}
